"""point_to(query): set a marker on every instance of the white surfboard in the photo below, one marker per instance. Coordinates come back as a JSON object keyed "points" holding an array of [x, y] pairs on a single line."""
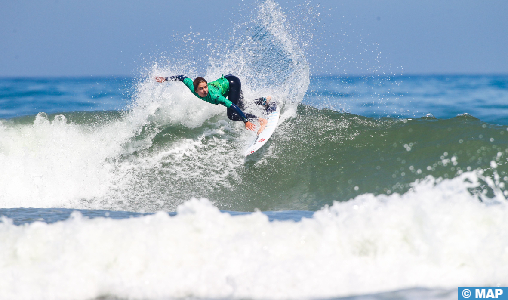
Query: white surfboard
{"points": [[262, 138]]}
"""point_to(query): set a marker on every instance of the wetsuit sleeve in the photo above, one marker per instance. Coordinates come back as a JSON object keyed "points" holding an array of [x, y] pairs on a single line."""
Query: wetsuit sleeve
{"points": [[189, 83], [239, 112], [224, 101], [176, 78]]}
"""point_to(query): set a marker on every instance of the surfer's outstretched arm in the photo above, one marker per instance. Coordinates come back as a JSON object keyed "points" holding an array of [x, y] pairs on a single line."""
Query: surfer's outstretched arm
{"points": [[171, 78]]}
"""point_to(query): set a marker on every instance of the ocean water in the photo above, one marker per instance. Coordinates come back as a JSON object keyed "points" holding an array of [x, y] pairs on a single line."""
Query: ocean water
{"points": [[372, 187]]}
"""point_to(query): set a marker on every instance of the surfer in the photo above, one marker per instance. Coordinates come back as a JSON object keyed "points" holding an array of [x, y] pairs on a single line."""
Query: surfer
{"points": [[216, 92]]}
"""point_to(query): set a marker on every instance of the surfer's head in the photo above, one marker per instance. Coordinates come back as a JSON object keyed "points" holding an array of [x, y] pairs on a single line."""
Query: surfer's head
{"points": [[201, 86]]}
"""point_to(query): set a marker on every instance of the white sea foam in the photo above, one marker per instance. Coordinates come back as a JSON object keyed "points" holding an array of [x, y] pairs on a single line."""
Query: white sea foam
{"points": [[436, 236], [51, 162], [54, 163]]}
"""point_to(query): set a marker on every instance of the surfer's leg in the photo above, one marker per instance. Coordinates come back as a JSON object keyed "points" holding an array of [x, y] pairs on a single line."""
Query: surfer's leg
{"points": [[235, 90], [235, 95]]}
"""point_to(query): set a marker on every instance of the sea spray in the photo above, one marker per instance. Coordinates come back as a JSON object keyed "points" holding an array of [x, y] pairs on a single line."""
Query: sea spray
{"points": [[141, 160]]}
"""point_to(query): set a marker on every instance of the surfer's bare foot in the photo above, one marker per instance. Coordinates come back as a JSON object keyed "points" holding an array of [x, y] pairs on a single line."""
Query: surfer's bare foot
{"points": [[262, 124]]}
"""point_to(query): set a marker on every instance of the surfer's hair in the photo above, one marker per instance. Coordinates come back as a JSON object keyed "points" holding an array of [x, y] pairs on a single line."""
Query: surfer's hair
{"points": [[197, 81]]}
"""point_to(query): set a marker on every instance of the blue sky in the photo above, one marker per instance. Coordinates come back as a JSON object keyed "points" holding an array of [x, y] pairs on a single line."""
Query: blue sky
{"points": [[96, 38]]}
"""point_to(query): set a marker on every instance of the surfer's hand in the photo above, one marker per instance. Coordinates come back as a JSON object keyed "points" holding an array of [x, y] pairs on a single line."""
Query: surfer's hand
{"points": [[250, 126], [160, 79]]}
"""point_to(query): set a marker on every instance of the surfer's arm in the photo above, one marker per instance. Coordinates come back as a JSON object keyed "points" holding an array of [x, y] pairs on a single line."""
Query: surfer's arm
{"points": [[248, 124], [171, 78], [239, 112]]}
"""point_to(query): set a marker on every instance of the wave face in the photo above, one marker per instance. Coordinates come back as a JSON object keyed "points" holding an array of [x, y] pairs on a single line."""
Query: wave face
{"points": [[315, 158]]}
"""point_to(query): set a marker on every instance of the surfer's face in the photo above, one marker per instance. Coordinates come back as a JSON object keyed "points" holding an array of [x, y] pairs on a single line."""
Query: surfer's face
{"points": [[202, 89]]}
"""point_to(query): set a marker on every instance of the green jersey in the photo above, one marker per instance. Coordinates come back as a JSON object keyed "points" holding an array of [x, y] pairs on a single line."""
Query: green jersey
{"points": [[217, 91]]}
